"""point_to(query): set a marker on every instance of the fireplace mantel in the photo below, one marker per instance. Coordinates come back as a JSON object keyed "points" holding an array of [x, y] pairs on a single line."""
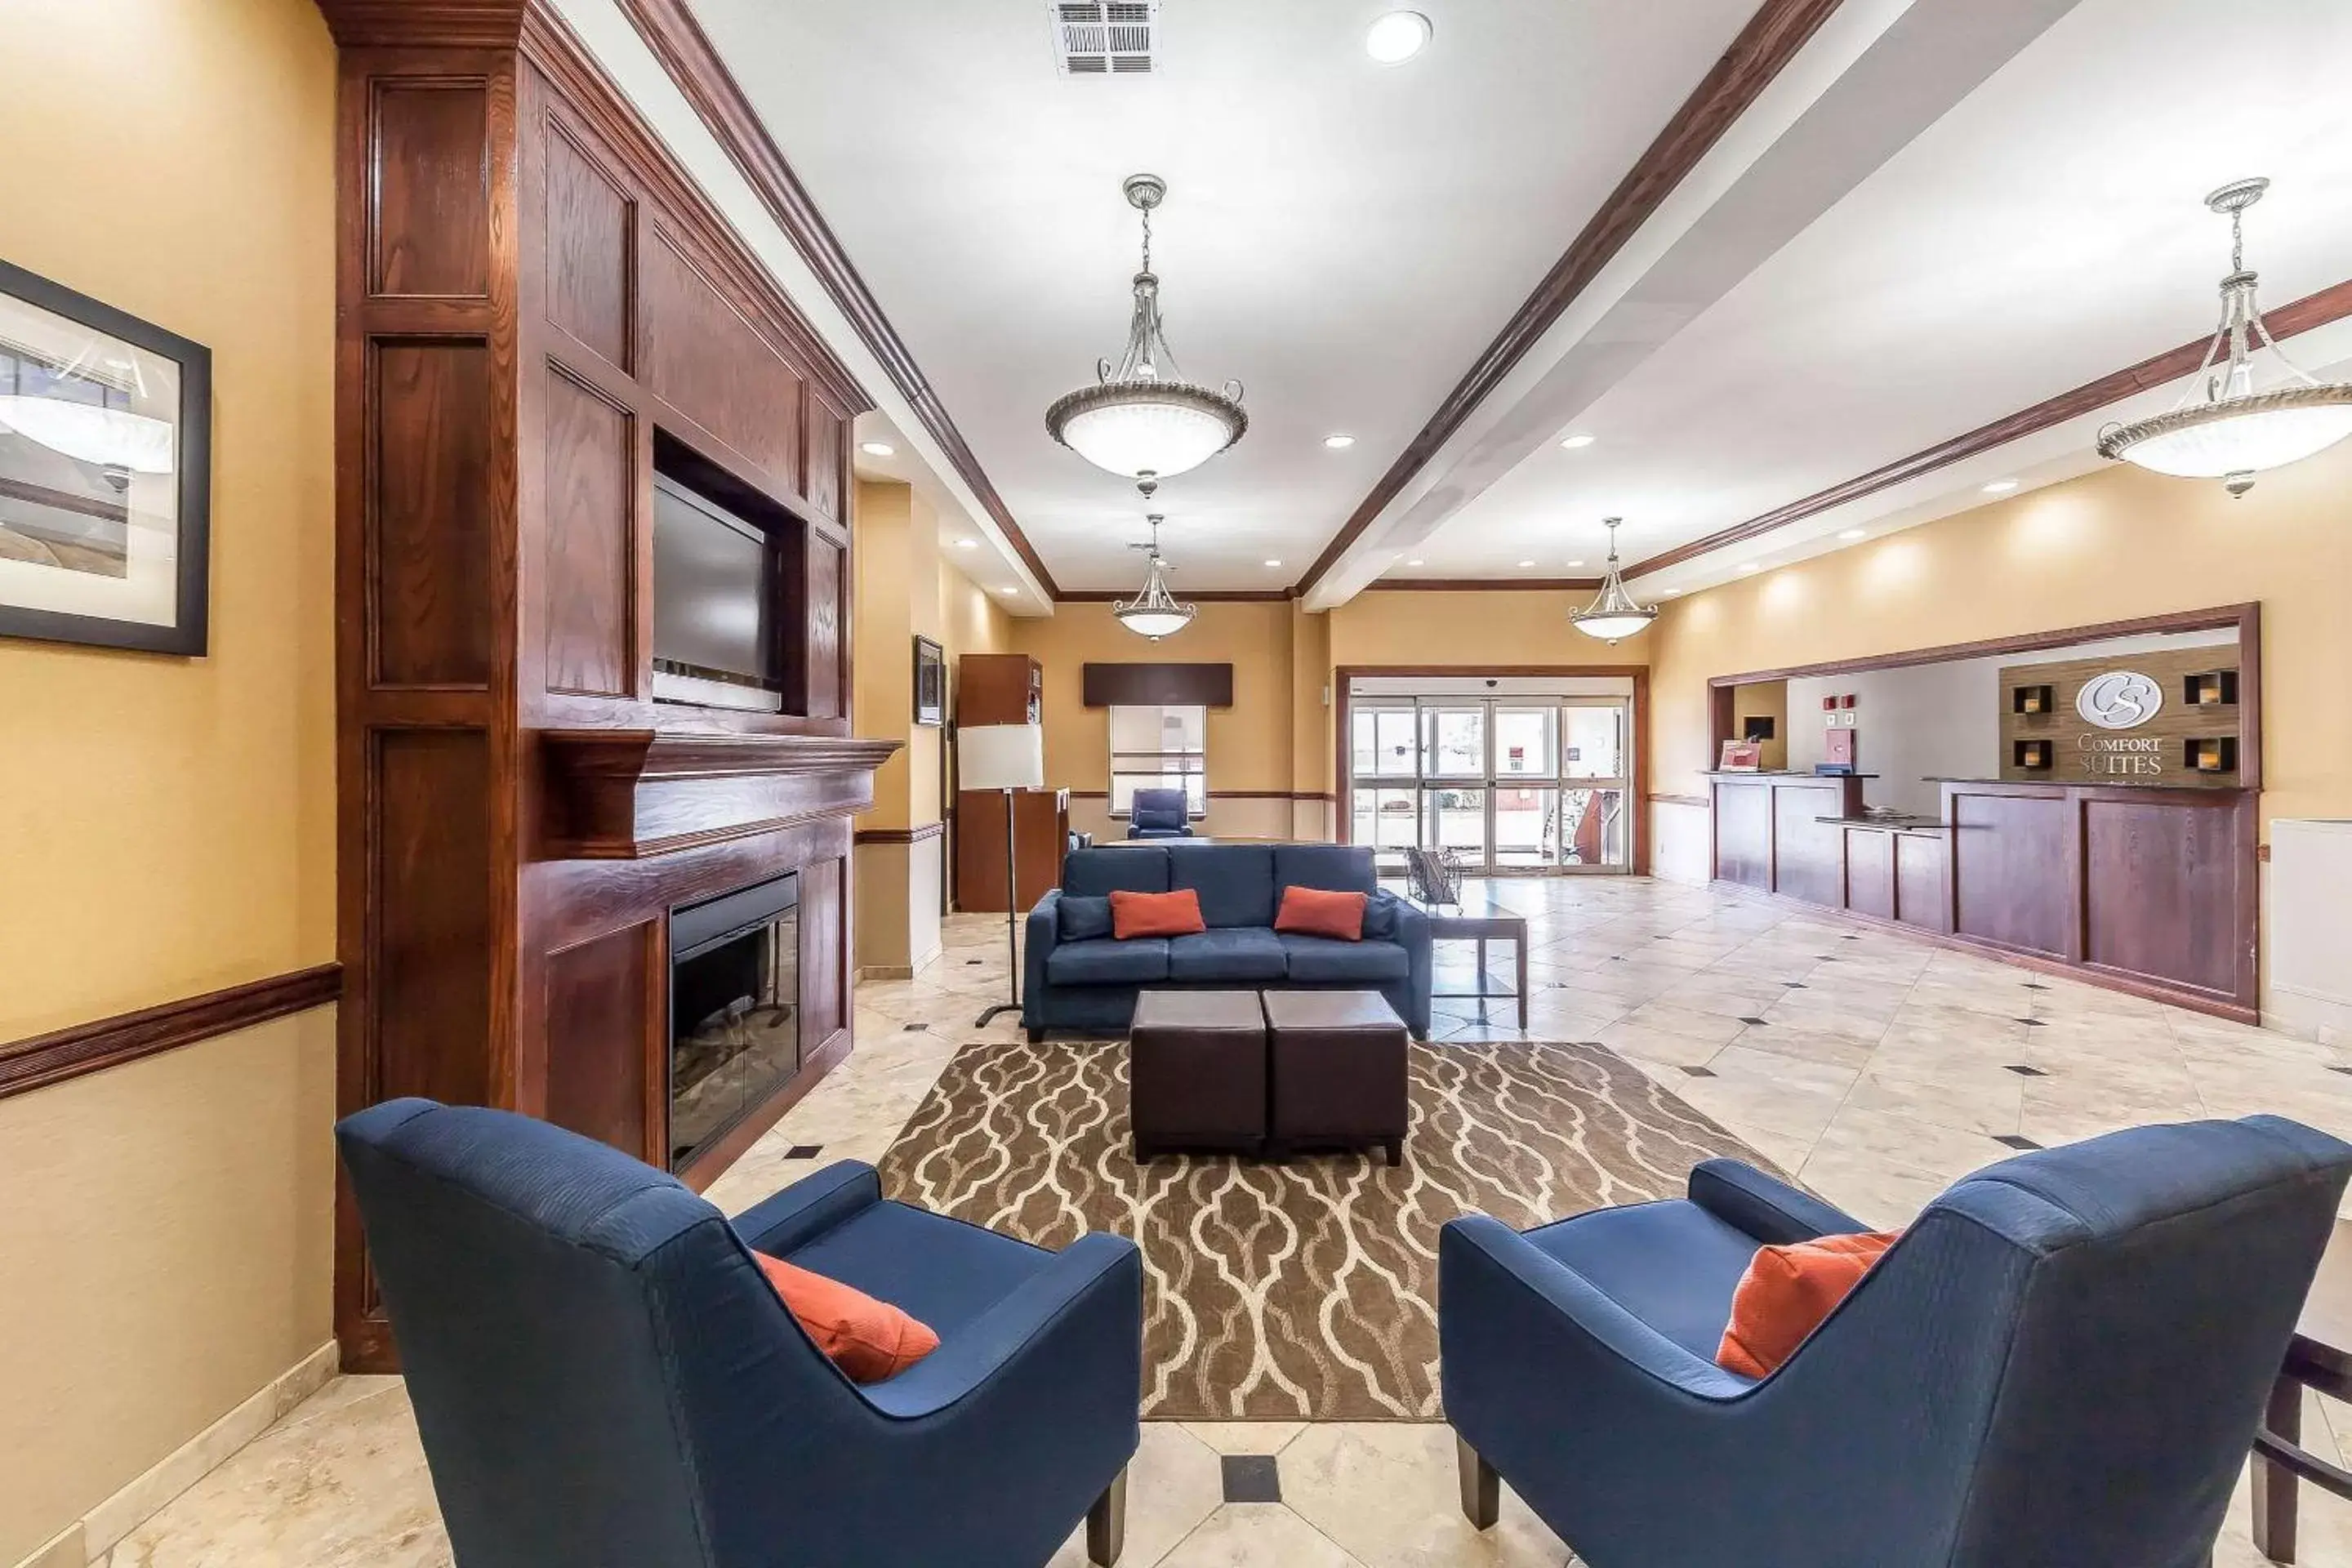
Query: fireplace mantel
{"points": [[625, 794]]}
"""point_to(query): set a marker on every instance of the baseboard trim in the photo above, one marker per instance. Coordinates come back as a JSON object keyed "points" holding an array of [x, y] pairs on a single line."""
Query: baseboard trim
{"points": [[104, 1526]]}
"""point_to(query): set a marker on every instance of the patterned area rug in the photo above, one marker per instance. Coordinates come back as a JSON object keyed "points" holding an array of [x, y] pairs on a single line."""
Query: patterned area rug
{"points": [[1308, 1289]]}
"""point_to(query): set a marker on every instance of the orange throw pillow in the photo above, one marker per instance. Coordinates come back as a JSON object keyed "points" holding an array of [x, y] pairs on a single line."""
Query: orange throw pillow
{"points": [[1786, 1292], [1155, 914], [867, 1338], [1318, 911]]}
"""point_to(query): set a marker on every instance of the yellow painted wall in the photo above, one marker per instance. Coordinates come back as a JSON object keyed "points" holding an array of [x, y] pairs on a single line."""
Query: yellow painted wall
{"points": [[1249, 743], [2109, 546], [167, 825], [1764, 699], [1501, 627], [882, 696]]}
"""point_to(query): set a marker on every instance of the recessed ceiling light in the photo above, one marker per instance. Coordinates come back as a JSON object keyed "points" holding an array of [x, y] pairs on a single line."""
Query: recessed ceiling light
{"points": [[1575, 563], [1339, 442], [1416, 561], [967, 544], [1671, 592], [1751, 566], [2000, 486], [1396, 38], [1007, 589], [1577, 441], [1275, 563], [877, 448], [1525, 564], [1852, 533]]}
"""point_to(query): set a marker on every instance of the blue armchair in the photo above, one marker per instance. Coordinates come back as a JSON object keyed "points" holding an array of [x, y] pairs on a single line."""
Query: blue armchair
{"points": [[602, 1376], [1158, 813], [2061, 1364]]}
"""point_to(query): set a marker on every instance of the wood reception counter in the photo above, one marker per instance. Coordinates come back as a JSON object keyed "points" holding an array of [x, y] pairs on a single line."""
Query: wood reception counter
{"points": [[2145, 889]]}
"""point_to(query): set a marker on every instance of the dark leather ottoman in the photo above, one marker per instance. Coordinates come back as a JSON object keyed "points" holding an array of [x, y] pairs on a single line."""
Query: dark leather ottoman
{"points": [[1196, 1071], [1337, 1068]]}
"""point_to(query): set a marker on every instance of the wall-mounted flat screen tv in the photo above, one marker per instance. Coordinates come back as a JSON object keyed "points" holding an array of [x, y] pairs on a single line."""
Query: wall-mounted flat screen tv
{"points": [[717, 582]]}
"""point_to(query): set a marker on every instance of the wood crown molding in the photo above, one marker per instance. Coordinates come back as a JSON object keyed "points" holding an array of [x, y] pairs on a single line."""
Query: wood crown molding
{"points": [[2295, 316], [692, 62], [423, 24], [40, 1060], [899, 834], [1766, 44]]}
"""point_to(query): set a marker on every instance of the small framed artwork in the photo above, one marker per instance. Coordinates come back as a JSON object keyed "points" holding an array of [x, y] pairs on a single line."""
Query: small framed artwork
{"points": [[931, 683], [105, 473], [1742, 757]]}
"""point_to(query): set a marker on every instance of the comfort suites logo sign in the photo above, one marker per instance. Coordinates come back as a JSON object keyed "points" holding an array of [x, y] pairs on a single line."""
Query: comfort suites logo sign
{"points": [[2118, 700]]}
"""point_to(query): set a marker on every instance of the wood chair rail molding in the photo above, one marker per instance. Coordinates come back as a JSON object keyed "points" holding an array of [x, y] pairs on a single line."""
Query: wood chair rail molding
{"points": [[2295, 316], [692, 62], [1766, 44], [39, 1060]]}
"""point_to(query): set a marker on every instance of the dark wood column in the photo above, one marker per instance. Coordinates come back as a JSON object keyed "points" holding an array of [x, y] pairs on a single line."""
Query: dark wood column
{"points": [[536, 305]]}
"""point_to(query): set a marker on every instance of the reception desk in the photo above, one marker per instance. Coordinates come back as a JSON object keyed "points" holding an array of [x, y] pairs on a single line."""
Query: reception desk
{"points": [[2145, 889]]}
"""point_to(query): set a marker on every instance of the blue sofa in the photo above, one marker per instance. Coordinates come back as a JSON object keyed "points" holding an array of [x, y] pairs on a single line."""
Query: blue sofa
{"points": [[1077, 977], [2060, 1364], [602, 1376], [1158, 813]]}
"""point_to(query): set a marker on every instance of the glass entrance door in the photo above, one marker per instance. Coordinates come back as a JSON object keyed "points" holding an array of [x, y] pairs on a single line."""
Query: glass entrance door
{"points": [[1508, 784]]}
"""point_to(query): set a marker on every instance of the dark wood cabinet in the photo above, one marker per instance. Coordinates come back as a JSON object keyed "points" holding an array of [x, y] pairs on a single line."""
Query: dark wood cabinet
{"points": [[1041, 821], [999, 689], [533, 298], [2145, 889]]}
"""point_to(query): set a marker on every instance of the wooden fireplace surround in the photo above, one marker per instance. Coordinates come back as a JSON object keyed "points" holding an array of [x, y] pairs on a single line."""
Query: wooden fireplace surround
{"points": [[529, 288]]}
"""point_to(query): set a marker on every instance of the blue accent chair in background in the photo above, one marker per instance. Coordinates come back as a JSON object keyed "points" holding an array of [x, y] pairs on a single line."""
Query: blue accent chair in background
{"points": [[603, 1377], [2061, 1364], [1158, 813]]}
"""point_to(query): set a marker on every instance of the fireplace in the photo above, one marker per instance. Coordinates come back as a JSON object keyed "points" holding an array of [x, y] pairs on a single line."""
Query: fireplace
{"points": [[734, 1009]]}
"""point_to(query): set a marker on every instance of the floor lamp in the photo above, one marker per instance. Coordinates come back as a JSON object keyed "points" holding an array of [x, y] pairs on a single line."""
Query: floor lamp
{"points": [[1008, 757]]}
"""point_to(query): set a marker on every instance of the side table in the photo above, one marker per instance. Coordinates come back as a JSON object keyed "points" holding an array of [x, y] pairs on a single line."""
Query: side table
{"points": [[1481, 921], [2319, 1357]]}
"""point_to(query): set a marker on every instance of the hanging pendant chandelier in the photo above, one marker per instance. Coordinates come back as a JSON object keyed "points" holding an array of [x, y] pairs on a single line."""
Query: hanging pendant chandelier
{"points": [[2222, 429], [1155, 612], [1615, 614], [1141, 419]]}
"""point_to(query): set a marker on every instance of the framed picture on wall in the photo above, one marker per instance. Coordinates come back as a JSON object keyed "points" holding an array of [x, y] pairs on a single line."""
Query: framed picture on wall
{"points": [[105, 473], [931, 683]]}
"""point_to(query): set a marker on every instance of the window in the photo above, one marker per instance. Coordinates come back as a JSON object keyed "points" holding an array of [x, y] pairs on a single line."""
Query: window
{"points": [[1159, 748]]}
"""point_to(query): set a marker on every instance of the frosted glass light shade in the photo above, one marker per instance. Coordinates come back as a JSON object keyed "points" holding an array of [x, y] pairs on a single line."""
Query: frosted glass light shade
{"points": [[2236, 435], [1155, 624], [109, 437], [1139, 428], [1001, 756], [1610, 627]]}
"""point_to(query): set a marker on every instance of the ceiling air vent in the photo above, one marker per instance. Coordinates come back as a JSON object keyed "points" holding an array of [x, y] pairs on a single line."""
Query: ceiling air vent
{"points": [[1106, 38]]}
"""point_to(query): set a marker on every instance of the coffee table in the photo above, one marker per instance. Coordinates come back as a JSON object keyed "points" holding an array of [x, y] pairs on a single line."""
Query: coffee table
{"points": [[1196, 1071], [1481, 919], [2320, 1357], [1337, 1066]]}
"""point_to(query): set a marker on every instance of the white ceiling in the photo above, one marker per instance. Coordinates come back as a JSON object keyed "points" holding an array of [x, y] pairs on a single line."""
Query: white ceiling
{"points": [[2046, 231], [1341, 236], [1940, 214]]}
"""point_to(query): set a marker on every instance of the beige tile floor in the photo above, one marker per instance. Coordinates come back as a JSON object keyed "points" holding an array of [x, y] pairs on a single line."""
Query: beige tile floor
{"points": [[1876, 1068]]}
